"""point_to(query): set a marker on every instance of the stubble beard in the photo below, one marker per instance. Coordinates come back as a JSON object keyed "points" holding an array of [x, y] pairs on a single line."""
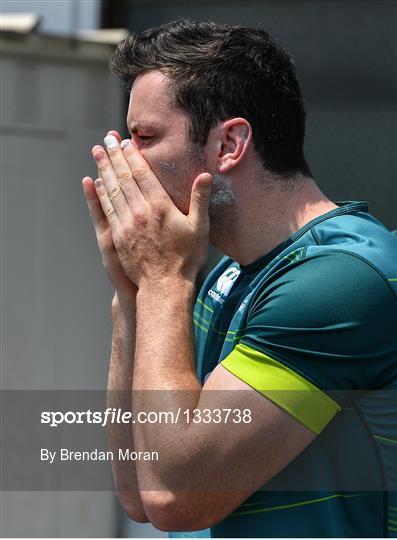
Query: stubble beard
{"points": [[223, 202], [222, 211]]}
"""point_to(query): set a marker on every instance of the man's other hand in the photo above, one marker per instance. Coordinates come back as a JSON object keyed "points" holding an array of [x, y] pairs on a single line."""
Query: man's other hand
{"points": [[125, 289]]}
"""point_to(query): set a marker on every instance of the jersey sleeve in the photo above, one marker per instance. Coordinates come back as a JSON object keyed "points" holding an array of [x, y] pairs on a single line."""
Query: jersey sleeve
{"points": [[315, 333]]}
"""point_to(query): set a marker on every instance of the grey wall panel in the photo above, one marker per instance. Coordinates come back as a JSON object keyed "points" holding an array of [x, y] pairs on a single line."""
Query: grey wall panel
{"points": [[56, 297], [57, 323]]}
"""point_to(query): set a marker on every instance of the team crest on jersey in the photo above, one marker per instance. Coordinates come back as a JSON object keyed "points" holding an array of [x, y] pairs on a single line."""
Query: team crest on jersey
{"points": [[224, 284]]}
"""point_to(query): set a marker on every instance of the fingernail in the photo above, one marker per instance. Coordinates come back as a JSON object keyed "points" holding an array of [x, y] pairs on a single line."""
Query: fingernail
{"points": [[98, 182], [125, 143], [110, 141], [98, 154]]}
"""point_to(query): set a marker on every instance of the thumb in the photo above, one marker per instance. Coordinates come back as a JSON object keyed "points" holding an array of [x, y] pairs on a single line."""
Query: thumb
{"points": [[200, 196]]}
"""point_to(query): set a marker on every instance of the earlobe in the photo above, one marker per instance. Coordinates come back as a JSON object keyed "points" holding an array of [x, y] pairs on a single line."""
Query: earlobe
{"points": [[225, 165]]}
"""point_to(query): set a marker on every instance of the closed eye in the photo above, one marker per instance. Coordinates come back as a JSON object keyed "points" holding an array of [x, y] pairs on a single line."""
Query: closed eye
{"points": [[144, 137]]}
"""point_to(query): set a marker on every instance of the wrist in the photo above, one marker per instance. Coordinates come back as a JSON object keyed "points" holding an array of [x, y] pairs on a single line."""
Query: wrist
{"points": [[167, 287]]}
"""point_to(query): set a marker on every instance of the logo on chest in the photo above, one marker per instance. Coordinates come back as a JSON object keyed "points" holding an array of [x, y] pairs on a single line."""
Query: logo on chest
{"points": [[224, 283]]}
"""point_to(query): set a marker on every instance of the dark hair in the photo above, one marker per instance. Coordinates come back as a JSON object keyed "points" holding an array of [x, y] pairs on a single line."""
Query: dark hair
{"points": [[219, 71]]}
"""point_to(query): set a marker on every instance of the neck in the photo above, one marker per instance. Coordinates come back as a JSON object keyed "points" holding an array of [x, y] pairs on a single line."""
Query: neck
{"points": [[265, 215]]}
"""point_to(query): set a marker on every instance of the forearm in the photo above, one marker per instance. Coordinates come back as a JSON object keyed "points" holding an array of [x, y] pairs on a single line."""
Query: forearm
{"points": [[164, 356], [164, 378], [119, 396]]}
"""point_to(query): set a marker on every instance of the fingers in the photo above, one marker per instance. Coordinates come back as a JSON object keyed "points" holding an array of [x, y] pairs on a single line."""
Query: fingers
{"points": [[110, 182], [94, 205], [128, 183], [115, 134], [147, 182], [106, 204], [123, 172]]}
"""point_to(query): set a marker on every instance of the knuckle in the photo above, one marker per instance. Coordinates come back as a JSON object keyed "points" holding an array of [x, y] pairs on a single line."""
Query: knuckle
{"points": [[109, 211], [158, 209], [140, 217], [114, 191], [124, 177], [103, 166], [139, 173], [128, 229]]}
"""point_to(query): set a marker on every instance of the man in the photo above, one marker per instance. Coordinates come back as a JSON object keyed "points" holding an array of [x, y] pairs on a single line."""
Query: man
{"points": [[299, 314]]}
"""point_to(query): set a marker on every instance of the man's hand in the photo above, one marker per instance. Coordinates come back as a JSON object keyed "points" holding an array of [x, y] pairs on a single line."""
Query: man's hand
{"points": [[153, 239], [122, 355], [125, 289]]}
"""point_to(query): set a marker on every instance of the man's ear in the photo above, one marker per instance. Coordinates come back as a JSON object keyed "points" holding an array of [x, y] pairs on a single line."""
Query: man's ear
{"points": [[234, 142]]}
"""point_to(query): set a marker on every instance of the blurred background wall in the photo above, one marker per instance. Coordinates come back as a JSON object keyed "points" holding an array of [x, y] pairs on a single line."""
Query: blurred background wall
{"points": [[63, 17], [58, 100]]}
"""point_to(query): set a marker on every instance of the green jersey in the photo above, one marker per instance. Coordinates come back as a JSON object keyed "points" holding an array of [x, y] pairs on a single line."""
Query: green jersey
{"points": [[317, 316]]}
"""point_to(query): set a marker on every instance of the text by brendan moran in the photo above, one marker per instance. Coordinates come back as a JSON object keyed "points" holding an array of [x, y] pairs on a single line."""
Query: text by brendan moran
{"points": [[64, 454]]}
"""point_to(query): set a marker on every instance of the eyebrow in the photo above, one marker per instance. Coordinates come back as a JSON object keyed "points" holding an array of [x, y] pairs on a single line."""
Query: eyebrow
{"points": [[136, 126]]}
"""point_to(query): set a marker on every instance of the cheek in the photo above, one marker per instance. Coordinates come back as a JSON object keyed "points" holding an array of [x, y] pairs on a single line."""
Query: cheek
{"points": [[176, 166], [173, 173], [161, 159], [163, 165]]}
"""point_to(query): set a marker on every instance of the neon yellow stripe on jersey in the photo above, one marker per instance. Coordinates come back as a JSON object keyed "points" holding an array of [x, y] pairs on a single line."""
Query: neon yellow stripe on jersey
{"points": [[205, 305], [293, 505], [292, 392], [386, 439]]}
